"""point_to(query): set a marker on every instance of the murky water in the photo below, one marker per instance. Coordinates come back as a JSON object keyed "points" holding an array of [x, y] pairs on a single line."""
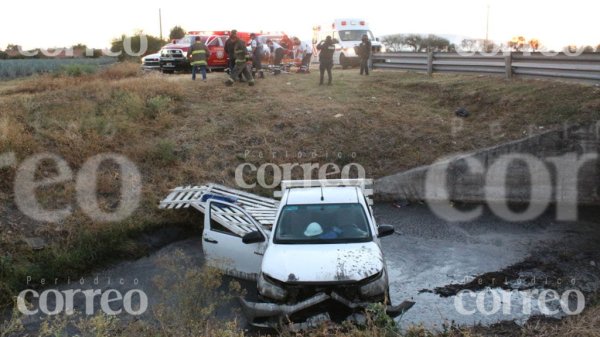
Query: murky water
{"points": [[432, 253], [426, 253]]}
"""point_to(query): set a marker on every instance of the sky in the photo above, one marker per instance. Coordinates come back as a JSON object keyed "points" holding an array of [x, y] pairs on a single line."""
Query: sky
{"points": [[58, 23]]}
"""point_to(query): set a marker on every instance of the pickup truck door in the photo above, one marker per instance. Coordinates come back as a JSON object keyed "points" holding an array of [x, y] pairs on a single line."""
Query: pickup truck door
{"points": [[224, 226]]}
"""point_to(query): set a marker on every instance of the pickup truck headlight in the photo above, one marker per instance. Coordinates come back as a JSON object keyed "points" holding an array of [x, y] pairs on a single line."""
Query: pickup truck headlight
{"points": [[375, 286], [270, 287], [349, 51]]}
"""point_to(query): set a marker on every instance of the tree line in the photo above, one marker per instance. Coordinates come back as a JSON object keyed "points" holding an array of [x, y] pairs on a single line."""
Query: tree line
{"points": [[418, 42], [134, 42], [435, 43]]}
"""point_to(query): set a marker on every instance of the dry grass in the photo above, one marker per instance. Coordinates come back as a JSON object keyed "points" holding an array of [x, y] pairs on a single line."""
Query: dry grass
{"points": [[181, 132], [584, 325]]}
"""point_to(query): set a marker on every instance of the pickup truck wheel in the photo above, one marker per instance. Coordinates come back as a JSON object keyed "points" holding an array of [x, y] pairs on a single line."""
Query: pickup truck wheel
{"points": [[343, 61]]}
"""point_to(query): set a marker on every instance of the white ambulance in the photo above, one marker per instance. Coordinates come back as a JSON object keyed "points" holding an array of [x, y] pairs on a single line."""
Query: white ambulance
{"points": [[348, 33]]}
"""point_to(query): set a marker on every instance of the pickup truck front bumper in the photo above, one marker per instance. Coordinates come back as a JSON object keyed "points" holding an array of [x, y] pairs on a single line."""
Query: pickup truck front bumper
{"points": [[262, 314]]}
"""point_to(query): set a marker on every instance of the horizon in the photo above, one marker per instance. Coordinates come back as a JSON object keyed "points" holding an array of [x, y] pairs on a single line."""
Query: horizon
{"points": [[467, 19]]}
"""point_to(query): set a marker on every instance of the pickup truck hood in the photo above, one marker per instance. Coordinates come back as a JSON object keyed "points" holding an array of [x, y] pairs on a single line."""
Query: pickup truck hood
{"points": [[322, 262]]}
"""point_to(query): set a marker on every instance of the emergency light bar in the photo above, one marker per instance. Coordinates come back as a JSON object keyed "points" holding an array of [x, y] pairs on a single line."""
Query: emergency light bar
{"points": [[344, 23], [198, 32]]}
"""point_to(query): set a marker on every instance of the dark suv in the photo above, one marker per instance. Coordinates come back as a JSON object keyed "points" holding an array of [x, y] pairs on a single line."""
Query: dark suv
{"points": [[172, 60]]}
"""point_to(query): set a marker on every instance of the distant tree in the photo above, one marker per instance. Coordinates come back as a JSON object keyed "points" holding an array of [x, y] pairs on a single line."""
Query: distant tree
{"points": [[3, 55], [491, 46], [435, 43], [534, 44], [570, 48], [13, 47], [517, 43], [588, 49], [394, 42], [469, 45], [118, 45], [598, 48], [415, 41], [176, 33]]}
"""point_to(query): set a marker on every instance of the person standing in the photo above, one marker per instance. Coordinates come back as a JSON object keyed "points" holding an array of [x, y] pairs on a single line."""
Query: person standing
{"points": [[364, 51], [240, 58], [303, 50], [326, 49], [198, 54], [229, 44], [257, 48]]}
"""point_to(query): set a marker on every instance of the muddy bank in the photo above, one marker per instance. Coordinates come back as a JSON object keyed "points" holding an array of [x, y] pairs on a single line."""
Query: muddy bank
{"points": [[431, 260]]}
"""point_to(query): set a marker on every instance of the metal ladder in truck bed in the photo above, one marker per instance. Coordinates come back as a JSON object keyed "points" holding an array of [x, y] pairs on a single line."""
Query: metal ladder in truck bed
{"points": [[262, 209]]}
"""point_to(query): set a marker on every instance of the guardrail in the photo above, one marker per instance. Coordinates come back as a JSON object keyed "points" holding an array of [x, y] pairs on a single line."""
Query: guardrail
{"points": [[582, 67]]}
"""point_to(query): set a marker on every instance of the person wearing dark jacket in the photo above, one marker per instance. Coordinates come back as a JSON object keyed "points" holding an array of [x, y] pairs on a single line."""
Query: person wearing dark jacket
{"points": [[326, 49], [198, 54], [240, 54], [364, 51], [229, 50]]}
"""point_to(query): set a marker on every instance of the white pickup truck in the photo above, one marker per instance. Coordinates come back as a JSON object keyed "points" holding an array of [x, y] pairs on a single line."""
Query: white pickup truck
{"points": [[316, 253]]}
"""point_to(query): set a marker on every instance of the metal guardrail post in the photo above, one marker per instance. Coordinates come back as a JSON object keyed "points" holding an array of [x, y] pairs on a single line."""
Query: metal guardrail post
{"points": [[429, 63], [508, 65]]}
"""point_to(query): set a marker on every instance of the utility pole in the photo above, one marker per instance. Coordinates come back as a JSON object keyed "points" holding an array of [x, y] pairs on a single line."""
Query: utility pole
{"points": [[160, 22], [487, 25]]}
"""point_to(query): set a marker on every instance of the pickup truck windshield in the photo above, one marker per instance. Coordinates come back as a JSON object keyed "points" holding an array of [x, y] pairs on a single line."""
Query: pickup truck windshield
{"points": [[319, 224], [355, 35]]}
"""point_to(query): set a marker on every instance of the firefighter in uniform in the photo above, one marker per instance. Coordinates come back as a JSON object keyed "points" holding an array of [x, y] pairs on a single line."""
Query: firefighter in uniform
{"points": [[240, 56], [364, 51], [229, 50], [326, 49], [199, 54]]}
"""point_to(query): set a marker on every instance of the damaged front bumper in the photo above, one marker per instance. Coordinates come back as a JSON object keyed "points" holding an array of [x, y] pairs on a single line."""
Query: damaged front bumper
{"points": [[263, 314]]}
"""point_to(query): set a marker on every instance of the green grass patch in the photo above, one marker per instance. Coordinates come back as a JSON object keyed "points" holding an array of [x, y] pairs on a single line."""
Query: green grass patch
{"points": [[11, 69]]}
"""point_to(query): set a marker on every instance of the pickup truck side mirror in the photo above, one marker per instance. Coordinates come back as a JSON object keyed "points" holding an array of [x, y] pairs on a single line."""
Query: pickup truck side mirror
{"points": [[377, 39], [253, 237], [385, 230]]}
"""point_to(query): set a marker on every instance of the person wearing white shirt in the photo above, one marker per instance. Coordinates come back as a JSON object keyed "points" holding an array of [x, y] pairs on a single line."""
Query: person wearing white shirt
{"points": [[303, 51], [278, 51], [257, 53]]}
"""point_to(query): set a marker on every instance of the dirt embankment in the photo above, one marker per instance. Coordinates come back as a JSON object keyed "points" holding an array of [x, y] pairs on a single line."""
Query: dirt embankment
{"points": [[177, 131]]}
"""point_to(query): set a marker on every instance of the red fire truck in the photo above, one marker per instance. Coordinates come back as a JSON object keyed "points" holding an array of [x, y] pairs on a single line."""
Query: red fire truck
{"points": [[174, 56]]}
